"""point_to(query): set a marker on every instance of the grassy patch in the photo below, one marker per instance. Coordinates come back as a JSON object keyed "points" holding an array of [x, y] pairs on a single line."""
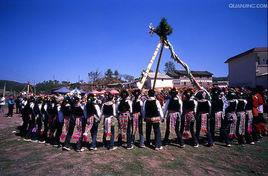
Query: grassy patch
{"points": [[106, 169], [175, 164], [20, 158]]}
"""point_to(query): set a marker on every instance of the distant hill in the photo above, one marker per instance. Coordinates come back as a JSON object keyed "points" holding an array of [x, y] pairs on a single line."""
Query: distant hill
{"points": [[11, 86]]}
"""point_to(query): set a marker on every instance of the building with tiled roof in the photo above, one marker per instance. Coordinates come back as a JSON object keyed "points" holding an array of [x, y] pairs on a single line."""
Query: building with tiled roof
{"points": [[180, 79]]}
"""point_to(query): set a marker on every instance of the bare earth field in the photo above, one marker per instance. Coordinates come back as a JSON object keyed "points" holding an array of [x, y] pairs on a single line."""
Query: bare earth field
{"points": [[18, 157]]}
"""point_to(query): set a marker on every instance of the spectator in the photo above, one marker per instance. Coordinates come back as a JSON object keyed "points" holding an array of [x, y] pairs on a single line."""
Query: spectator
{"points": [[2, 104], [10, 104]]}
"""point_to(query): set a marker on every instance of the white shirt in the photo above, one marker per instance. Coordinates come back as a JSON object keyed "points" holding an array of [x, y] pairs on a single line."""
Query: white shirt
{"points": [[2, 101]]}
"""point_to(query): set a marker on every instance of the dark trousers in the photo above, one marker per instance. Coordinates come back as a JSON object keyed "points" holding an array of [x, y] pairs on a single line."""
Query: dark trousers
{"points": [[52, 127], [10, 110], [140, 128], [1, 109], [39, 121], [255, 133], [58, 127], [94, 132], [25, 124], [129, 134], [157, 133], [111, 143], [198, 128], [177, 131], [17, 108], [67, 142], [225, 128], [30, 132], [240, 137]]}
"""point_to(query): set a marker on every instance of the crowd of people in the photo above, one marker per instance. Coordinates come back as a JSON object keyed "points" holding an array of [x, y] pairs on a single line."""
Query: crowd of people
{"points": [[194, 116]]}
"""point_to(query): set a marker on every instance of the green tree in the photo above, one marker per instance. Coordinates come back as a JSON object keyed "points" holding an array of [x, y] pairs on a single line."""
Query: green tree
{"points": [[47, 86], [93, 76], [169, 67], [116, 74], [109, 73]]}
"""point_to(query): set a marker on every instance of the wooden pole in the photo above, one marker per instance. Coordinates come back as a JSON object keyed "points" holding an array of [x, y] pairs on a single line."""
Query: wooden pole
{"points": [[158, 63], [145, 74], [28, 89], [4, 91]]}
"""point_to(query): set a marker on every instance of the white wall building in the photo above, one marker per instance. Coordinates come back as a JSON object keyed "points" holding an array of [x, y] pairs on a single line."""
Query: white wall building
{"points": [[162, 81], [180, 79], [249, 68]]}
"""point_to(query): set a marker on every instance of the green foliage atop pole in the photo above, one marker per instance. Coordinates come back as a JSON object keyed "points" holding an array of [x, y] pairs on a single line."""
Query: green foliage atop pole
{"points": [[163, 29]]}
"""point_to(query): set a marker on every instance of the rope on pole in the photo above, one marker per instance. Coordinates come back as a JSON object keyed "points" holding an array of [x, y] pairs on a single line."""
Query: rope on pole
{"points": [[185, 66]]}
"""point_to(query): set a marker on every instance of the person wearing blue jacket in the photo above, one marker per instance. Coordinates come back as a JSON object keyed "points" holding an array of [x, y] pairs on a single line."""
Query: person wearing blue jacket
{"points": [[10, 104]]}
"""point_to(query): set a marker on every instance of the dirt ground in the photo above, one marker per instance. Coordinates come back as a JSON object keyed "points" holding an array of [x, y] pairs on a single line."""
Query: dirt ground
{"points": [[18, 157]]}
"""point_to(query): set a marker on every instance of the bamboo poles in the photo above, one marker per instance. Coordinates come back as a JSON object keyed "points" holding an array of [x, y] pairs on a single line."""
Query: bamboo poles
{"points": [[158, 64], [185, 66], [145, 74], [163, 30]]}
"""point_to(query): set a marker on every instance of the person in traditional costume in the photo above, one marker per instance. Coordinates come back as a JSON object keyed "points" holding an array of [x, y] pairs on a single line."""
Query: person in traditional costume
{"points": [[188, 118], [241, 118], [217, 113], [249, 117], [45, 117], [124, 111], [39, 118], [17, 102], [66, 109], [137, 119], [203, 115], [52, 110], [230, 119], [172, 112], [259, 127], [153, 114], [75, 121], [58, 123], [25, 112], [10, 105], [31, 114], [82, 141], [93, 115], [108, 111]]}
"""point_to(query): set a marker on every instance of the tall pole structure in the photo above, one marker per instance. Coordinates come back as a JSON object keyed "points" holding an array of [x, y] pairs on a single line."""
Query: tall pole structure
{"points": [[4, 91], [163, 30], [150, 64], [158, 64]]}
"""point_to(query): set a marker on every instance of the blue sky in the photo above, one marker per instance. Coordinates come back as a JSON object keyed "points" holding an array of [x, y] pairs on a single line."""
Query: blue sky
{"points": [[42, 40]]}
